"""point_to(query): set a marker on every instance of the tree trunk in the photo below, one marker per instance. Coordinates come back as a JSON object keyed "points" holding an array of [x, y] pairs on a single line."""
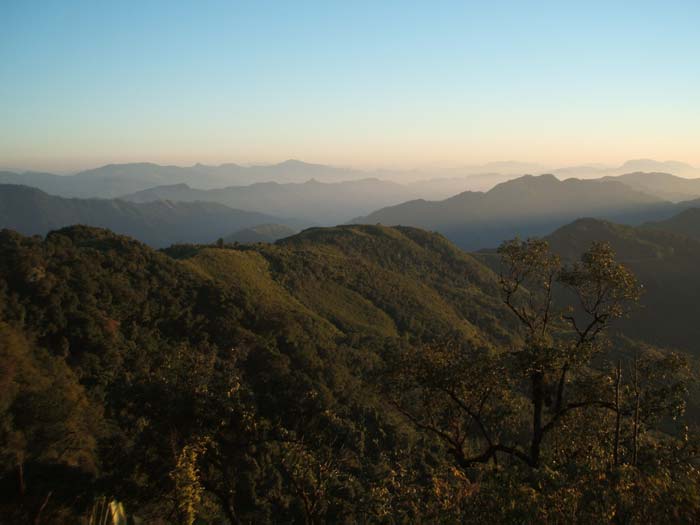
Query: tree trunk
{"points": [[20, 479], [231, 514], [37, 517], [616, 446], [635, 437], [537, 404]]}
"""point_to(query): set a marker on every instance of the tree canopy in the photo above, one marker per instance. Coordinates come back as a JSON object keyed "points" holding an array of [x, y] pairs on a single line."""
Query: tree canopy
{"points": [[345, 375]]}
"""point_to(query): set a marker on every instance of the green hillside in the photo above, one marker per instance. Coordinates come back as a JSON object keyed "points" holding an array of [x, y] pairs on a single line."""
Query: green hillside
{"points": [[339, 375], [392, 280], [261, 233]]}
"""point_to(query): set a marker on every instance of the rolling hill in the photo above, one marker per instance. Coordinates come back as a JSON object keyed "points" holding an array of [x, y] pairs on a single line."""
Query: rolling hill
{"points": [[31, 211], [279, 354], [261, 233]]}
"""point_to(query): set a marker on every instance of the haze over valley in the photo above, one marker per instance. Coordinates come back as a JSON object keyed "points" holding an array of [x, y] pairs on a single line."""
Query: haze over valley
{"points": [[162, 205]]}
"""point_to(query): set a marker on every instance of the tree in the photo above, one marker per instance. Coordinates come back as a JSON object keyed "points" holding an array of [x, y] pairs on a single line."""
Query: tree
{"points": [[474, 399], [559, 342], [48, 431], [548, 426]]}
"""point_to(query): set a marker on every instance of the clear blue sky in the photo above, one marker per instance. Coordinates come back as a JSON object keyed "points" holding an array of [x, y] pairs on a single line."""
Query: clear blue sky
{"points": [[348, 82]]}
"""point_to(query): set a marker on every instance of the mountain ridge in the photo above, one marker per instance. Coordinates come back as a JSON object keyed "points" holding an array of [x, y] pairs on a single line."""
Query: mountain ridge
{"points": [[31, 211], [312, 201], [525, 206], [113, 180]]}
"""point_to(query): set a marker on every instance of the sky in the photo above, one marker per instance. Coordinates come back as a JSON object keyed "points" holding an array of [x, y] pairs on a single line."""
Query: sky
{"points": [[366, 84]]}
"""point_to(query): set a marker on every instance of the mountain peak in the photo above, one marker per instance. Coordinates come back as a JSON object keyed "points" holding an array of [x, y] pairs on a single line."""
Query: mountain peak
{"points": [[526, 181], [293, 163]]}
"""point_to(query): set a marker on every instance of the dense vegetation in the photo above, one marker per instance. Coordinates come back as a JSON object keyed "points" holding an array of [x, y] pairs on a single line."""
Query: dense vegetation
{"points": [[260, 233], [351, 374]]}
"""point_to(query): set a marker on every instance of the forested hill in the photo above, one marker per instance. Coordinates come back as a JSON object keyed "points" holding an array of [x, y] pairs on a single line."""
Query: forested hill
{"points": [[150, 341], [369, 280], [348, 374], [260, 233]]}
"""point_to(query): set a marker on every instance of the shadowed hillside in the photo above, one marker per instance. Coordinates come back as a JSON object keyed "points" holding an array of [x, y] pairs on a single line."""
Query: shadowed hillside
{"points": [[31, 211], [527, 206], [312, 201], [666, 265], [685, 223]]}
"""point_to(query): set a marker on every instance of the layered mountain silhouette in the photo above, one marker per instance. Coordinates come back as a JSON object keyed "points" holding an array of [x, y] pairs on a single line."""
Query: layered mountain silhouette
{"points": [[526, 206], [485, 176], [680, 169], [312, 202], [31, 211], [114, 180], [662, 185]]}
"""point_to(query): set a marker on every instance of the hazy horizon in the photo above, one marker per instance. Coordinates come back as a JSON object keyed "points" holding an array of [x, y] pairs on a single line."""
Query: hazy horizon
{"points": [[493, 166], [365, 85]]}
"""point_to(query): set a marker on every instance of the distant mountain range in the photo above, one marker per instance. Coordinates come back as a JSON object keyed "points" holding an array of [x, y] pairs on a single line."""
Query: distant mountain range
{"points": [[156, 211], [115, 180], [526, 206], [31, 211], [662, 185], [679, 169], [484, 177], [312, 202]]}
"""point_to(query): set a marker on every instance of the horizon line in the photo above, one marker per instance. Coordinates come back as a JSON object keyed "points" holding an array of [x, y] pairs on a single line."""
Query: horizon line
{"points": [[359, 168]]}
